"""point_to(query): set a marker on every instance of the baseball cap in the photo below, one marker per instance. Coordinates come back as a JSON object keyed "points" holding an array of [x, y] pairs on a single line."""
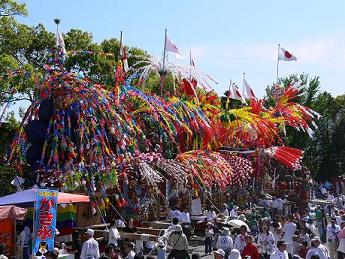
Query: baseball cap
{"points": [[220, 252]]}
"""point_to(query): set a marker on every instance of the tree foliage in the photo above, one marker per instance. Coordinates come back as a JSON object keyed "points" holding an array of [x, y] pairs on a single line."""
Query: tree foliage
{"points": [[12, 8], [325, 151]]}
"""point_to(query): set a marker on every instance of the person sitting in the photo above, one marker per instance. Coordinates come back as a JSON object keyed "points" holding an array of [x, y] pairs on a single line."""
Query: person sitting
{"points": [[119, 222], [176, 213], [233, 213], [130, 228], [250, 249], [114, 234], [225, 212], [211, 215]]}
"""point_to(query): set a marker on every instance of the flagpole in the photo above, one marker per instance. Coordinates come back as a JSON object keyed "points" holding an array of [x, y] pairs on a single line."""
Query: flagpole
{"points": [[278, 63], [244, 77], [190, 64], [165, 49], [228, 96], [121, 42], [164, 57]]}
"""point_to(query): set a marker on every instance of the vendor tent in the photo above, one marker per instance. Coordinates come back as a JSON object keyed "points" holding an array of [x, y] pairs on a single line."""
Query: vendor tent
{"points": [[27, 198], [8, 216], [12, 212]]}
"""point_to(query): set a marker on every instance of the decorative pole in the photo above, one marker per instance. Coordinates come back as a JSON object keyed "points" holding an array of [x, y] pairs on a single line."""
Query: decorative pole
{"points": [[121, 42], [244, 78], [164, 49], [278, 63], [164, 57]]}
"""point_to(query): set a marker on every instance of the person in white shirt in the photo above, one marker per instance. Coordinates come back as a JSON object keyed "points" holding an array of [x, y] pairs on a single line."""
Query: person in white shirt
{"points": [[119, 223], [341, 238], [90, 249], [234, 254], [129, 250], [289, 230], [175, 214], [211, 215], [303, 236], [318, 249], [114, 234], [240, 240], [278, 204], [225, 242], [331, 233], [185, 220], [266, 242], [185, 217], [277, 232], [24, 239], [310, 224], [280, 252], [233, 213], [225, 212], [340, 217]]}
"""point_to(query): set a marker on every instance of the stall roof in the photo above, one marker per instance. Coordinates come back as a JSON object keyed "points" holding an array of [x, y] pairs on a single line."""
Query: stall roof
{"points": [[12, 212], [27, 198]]}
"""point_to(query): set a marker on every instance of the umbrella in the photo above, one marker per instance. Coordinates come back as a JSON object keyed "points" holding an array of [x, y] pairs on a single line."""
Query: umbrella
{"points": [[28, 197], [236, 223]]}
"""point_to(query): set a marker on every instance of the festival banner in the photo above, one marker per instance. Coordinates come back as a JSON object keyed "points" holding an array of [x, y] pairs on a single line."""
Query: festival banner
{"points": [[45, 220]]}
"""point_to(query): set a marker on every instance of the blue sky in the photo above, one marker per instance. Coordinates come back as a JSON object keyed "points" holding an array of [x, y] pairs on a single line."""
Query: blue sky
{"points": [[226, 37]]}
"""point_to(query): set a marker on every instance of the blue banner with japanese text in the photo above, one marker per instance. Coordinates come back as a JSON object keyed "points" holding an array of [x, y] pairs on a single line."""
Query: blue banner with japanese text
{"points": [[45, 220]]}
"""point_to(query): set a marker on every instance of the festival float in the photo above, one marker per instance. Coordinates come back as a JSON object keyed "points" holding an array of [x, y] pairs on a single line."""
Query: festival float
{"points": [[132, 150]]}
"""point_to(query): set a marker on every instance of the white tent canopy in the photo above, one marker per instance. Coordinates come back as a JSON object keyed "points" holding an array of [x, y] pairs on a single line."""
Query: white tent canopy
{"points": [[28, 197]]}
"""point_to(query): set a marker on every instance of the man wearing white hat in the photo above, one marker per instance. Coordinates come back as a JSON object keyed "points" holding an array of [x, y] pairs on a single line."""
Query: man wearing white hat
{"points": [[225, 242], [219, 254], [90, 248]]}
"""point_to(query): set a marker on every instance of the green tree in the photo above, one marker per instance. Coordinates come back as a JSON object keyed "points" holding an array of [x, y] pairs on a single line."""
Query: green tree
{"points": [[12, 8]]}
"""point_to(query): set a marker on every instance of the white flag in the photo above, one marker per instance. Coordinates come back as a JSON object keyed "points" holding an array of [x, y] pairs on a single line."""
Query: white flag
{"points": [[286, 55], [191, 60], [124, 59], [249, 90], [171, 47], [60, 42], [237, 94]]}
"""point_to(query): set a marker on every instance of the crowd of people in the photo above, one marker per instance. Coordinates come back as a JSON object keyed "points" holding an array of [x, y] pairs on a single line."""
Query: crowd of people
{"points": [[311, 235], [318, 231]]}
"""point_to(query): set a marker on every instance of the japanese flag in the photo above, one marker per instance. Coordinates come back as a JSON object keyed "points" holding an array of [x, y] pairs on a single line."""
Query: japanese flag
{"points": [[286, 55], [237, 94], [60, 41], [171, 47], [249, 90]]}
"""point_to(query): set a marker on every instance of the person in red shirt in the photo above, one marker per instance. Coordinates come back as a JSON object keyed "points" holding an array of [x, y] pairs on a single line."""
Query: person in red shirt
{"points": [[250, 249]]}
